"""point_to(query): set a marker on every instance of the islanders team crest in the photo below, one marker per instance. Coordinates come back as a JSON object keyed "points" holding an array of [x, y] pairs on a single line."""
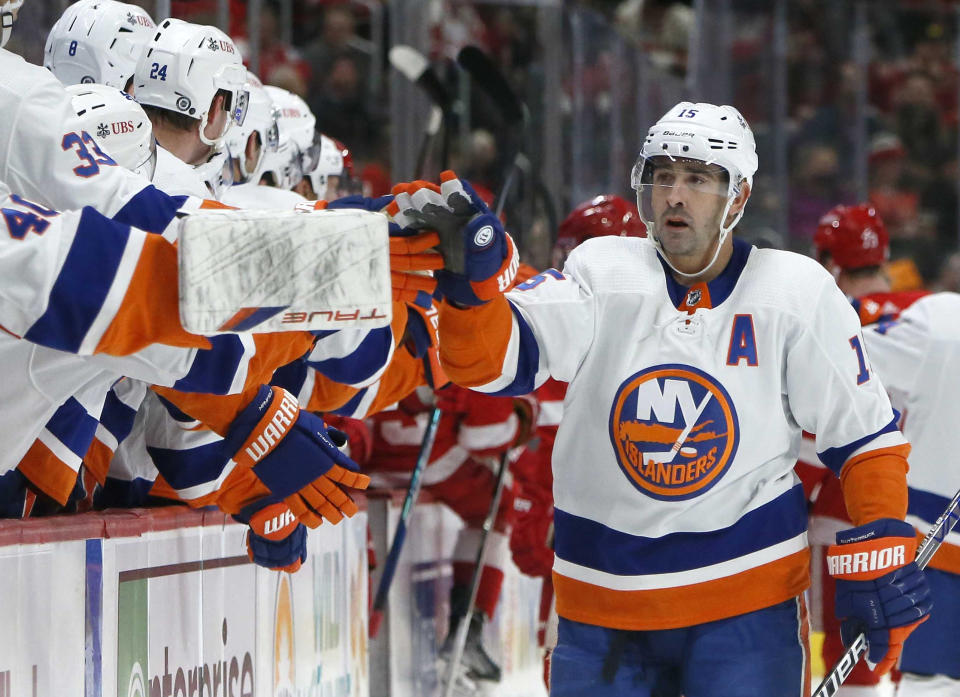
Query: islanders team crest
{"points": [[674, 431]]}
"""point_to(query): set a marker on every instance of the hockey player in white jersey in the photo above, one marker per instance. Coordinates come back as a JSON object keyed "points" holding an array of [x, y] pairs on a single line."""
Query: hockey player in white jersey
{"points": [[918, 356], [912, 343], [694, 362], [48, 157], [98, 41], [260, 153], [190, 81], [332, 175], [118, 124]]}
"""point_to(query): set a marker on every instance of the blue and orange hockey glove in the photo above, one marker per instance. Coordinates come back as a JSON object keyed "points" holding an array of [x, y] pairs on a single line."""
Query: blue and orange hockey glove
{"points": [[480, 258], [288, 454], [880, 589], [275, 539]]}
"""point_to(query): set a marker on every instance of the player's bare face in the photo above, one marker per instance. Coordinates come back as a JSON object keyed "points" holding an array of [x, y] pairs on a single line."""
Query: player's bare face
{"points": [[688, 199]]}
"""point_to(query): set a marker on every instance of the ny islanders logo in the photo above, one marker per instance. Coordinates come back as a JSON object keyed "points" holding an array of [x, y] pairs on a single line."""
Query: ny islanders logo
{"points": [[674, 430]]}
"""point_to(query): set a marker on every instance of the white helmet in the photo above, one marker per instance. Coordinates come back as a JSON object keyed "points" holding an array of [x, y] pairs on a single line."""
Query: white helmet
{"points": [[260, 119], [8, 8], [334, 161], [97, 41], [118, 124], [182, 69], [297, 124], [715, 135]]}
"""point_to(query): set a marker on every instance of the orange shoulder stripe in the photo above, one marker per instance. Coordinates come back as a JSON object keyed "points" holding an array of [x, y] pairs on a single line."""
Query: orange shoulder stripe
{"points": [[474, 341], [150, 312], [218, 411], [47, 472], [874, 484]]}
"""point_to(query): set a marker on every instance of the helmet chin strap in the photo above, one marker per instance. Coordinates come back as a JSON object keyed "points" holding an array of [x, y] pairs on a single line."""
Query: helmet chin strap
{"points": [[217, 142], [721, 238]]}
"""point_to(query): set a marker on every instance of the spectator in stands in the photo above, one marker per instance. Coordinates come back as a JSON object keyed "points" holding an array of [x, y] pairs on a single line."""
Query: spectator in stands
{"points": [[341, 107], [280, 63], [815, 188], [338, 40], [919, 126], [895, 203]]}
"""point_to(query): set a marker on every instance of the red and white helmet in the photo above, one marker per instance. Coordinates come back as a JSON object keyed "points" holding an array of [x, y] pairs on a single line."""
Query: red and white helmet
{"points": [[118, 124], [600, 216], [8, 9], [714, 135], [182, 69], [261, 118], [97, 41], [852, 237]]}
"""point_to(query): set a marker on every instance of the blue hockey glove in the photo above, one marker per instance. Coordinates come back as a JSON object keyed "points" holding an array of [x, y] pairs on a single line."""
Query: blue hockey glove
{"points": [[275, 539], [288, 454], [480, 258], [880, 589]]}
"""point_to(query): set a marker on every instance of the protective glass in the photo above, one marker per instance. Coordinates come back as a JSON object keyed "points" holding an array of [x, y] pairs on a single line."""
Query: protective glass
{"points": [[310, 158], [232, 77], [272, 134], [657, 178]]}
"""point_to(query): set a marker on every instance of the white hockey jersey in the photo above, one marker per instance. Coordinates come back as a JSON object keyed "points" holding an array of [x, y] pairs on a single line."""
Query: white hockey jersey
{"points": [[47, 157], [918, 359], [676, 501]]}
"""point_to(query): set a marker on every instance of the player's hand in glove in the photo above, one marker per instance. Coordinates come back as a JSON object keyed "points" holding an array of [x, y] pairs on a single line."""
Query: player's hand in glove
{"points": [[411, 263], [275, 540], [880, 589], [480, 258], [288, 454]]}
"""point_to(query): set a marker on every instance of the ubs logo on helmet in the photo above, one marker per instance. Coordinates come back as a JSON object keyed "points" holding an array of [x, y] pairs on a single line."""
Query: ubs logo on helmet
{"points": [[674, 431]]}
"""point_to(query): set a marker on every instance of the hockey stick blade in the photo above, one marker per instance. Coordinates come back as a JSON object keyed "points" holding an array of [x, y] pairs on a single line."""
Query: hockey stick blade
{"points": [[938, 533], [488, 77], [414, 66]]}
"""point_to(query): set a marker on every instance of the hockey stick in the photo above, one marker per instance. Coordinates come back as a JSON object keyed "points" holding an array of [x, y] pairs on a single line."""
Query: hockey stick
{"points": [[460, 640], [484, 72], [515, 113], [938, 533], [413, 491], [416, 68]]}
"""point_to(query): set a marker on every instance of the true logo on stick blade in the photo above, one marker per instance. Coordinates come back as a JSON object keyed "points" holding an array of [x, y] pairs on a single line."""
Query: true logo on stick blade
{"points": [[674, 431]]}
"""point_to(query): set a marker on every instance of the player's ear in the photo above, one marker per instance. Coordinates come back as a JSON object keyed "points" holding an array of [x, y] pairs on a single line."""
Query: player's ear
{"points": [[740, 200]]}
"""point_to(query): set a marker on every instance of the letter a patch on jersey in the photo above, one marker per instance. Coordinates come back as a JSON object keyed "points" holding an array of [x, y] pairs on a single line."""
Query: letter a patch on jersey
{"points": [[674, 430], [743, 341]]}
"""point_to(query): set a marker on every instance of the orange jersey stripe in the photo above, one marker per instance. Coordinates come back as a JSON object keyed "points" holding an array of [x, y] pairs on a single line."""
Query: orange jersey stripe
{"points": [[48, 473], [474, 341], [947, 557], [97, 460], [669, 608], [150, 312], [875, 484], [218, 411]]}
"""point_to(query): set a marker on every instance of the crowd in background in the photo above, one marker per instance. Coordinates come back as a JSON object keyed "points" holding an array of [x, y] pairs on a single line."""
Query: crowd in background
{"points": [[909, 117]]}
